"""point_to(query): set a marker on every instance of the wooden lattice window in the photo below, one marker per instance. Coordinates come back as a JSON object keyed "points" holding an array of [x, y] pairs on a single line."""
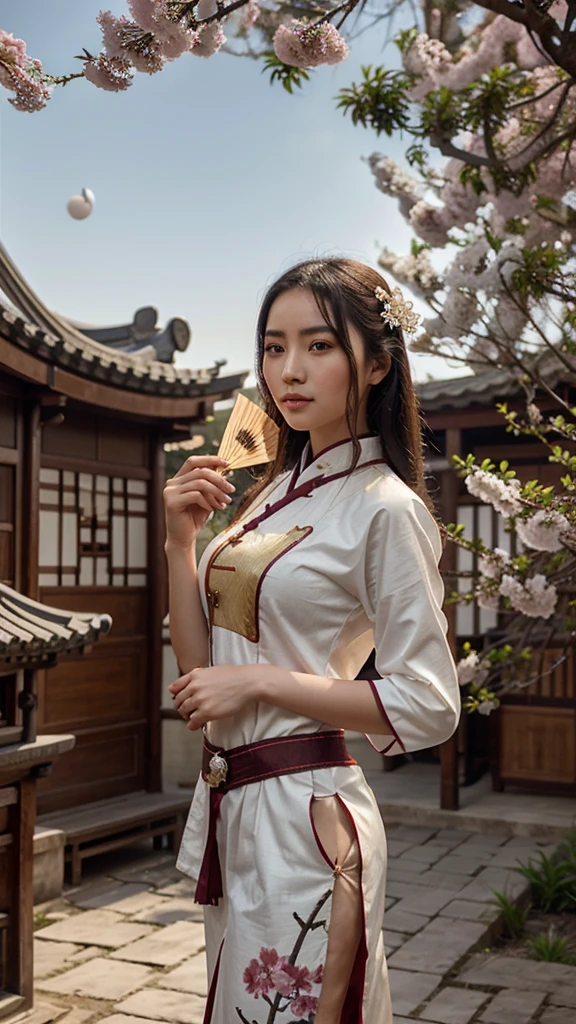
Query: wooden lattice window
{"points": [[93, 529], [482, 521], [7, 524]]}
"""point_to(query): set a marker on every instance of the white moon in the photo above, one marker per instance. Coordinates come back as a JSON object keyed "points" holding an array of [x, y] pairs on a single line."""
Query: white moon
{"points": [[80, 207]]}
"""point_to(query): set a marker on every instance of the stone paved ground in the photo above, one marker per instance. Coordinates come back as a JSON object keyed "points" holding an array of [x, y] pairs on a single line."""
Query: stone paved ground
{"points": [[126, 947]]}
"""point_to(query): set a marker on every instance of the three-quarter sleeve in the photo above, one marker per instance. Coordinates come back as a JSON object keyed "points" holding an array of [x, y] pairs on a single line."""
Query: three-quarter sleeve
{"points": [[418, 692]]}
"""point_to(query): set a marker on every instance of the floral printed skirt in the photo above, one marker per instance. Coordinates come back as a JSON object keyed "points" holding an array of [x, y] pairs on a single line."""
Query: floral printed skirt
{"points": [[276, 943]]}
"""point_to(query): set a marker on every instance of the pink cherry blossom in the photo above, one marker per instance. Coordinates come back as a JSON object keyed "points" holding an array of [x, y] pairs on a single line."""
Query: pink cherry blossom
{"points": [[22, 75], [289, 979], [206, 9], [174, 37], [304, 45], [208, 41], [303, 1006], [114, 74], [127, 40], [257, 976], [249, 14]]}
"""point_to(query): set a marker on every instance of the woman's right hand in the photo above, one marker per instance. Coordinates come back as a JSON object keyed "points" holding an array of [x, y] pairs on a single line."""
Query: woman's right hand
{"points": [[192, 495]]}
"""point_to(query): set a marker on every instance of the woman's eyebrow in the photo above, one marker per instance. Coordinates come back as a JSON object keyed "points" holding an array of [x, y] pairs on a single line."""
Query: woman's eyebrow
{"points": [[305, 331]]}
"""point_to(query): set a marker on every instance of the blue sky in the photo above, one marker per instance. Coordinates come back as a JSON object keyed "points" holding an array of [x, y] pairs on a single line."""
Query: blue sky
{"points": [[208, 182]]}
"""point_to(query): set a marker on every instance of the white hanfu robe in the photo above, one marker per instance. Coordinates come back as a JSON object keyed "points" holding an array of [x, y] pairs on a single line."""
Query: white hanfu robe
{"points": [[318, 584]]}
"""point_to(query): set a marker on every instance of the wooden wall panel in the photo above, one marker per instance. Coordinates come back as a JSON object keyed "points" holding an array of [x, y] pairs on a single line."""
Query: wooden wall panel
{"points": [[101, 697], [127, 606], [122, 442], [97, 439], [104, 686], [8, 420], [537, 744], [104, 763], [75, 437]]}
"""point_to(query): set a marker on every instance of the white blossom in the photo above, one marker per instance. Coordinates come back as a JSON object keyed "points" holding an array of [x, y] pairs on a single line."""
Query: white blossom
{"points": [[471, 670], [543, 531], [487, 706], [504, 497], [536, 597], [493, 563]]}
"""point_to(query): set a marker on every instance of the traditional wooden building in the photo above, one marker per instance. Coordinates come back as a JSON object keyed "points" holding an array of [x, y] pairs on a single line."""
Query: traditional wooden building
{"points": [[32, 638], [531, 741], [84, 415]]}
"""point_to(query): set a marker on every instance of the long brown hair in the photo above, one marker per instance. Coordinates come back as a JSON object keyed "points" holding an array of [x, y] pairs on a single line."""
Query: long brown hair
{"points": [[344, 291]]}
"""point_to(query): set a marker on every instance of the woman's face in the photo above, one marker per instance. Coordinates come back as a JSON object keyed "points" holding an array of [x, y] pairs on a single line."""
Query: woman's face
{"points": [[303, 358]]}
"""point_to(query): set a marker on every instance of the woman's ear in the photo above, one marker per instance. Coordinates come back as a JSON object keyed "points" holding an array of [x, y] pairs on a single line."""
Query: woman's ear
{"points": [[381, 368]]}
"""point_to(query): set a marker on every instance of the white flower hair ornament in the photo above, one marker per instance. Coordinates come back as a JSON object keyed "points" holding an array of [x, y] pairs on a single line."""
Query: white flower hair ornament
{"points": [[397, 311]]}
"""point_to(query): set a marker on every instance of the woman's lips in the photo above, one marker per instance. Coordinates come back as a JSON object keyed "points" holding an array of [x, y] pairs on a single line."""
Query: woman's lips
{"points": [[296, 403]]}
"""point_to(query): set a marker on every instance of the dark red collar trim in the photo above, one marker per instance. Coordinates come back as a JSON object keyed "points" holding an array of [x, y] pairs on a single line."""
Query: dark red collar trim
{"points": [[303, 491]]}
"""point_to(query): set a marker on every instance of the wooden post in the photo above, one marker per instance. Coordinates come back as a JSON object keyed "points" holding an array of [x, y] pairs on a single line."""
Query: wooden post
{"points": [[30, 532], [156, 612], [449, 792], [19, 974]]}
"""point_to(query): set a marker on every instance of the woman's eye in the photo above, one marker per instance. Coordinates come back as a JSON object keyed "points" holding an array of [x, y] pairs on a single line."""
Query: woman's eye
{"points": [[270, 348], [324, 345]]}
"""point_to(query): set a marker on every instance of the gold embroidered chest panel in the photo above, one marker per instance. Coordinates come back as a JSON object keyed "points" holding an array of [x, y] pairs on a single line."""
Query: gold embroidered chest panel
{"points": [[235, 573]]}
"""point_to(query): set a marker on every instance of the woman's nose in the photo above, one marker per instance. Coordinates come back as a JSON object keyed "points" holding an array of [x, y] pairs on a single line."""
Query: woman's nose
{"points": [[291, 371]]}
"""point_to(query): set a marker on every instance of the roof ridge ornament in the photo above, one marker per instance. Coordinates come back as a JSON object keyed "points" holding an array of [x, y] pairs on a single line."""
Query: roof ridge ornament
{"points": [[398, 312]]}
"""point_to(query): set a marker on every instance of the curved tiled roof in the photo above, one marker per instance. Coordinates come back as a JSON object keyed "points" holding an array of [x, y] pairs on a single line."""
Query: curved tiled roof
{"points": [[35, 633], [26, 322], [482, 388]]}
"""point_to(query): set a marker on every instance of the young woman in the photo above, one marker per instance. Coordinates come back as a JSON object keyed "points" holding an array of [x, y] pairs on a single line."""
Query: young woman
{"points": [[333, 554]]}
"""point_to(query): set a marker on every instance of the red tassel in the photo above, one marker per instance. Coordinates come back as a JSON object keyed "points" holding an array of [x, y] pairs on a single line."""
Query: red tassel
{"points": [[209, 886]]}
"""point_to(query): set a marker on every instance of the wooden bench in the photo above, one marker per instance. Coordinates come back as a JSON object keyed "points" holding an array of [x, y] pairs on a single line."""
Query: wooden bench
{"points": [[110, 824]]}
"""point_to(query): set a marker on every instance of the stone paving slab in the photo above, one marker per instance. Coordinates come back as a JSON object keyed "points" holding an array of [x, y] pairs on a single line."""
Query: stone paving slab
{"points": [[512, 1006], [189, 977], [95, 928], [393, 940], [184, 887], [502, 971], [481, 888], [466, 910], [164, 1004], [166, 947], [454, 1006], [427, 854], [411, 833], [396, 846], [51, 956], [124, 899], [410, 988], [436, 948], [436, 879], [484, 841], [451, 837], [41, 1014], [556, 1016], [77, 1016], [460, 865], [168, 911], [427, 903], [124, 1018], [86, 953], [100, 979], [400, 874], [397, 920]]}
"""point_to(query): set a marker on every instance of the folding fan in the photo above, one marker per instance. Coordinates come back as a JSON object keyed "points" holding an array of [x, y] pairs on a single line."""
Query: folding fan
{"points": [[250, 438]]}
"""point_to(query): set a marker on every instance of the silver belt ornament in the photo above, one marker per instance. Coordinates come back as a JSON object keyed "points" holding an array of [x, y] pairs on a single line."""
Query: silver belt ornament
{"points": [[218, 770]]}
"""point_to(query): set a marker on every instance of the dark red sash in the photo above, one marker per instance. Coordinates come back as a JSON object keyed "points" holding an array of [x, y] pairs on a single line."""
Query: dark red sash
{"points": [[256, 762]]}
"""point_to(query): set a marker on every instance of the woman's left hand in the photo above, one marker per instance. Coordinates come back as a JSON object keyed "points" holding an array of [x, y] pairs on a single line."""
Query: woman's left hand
{"points": [[205, 694]]}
